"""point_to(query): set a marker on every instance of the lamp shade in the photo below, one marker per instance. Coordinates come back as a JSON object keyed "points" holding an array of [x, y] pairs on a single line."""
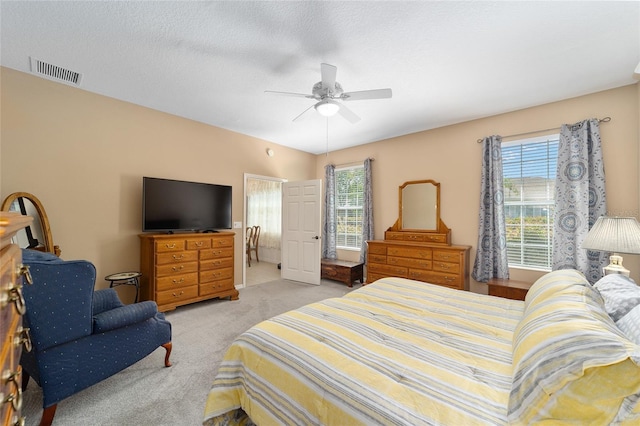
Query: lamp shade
{"points": [[327, 107], [614, 234]]}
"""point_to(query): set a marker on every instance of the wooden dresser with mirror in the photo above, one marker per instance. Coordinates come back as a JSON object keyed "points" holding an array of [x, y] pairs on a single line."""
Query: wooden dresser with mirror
{"points": [[418, 246]]}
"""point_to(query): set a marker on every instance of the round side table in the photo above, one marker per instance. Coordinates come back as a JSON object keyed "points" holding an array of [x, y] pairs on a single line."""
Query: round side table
{"points": [[125, 278]]}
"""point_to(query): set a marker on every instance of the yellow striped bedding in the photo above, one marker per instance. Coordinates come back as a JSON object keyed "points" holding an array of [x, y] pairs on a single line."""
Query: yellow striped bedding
{"points": [[394, 352], [402, 352]]}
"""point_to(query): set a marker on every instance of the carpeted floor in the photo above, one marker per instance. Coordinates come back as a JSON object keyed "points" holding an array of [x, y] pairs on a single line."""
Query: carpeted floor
{"points": [[149, 394]]}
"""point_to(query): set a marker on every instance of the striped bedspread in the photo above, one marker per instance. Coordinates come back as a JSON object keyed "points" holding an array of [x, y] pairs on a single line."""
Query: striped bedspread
{"points": [[394, 352]]}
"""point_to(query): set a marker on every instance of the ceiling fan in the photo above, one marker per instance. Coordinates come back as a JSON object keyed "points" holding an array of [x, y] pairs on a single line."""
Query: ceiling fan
{"points": [[328, 92]]}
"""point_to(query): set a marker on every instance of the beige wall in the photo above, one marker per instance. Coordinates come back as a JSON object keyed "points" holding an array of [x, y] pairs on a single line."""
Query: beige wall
{"points": [[451, 156], [83, 155]]}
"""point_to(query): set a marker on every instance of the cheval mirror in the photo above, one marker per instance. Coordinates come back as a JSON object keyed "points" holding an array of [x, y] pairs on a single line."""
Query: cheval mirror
{"points": [[37, 236]]}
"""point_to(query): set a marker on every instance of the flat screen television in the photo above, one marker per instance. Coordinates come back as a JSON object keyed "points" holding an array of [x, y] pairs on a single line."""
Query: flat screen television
{"points": [[180, 206]]}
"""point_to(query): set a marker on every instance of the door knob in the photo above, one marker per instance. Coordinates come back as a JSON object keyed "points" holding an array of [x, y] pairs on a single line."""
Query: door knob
{"points": [[316, 238]]}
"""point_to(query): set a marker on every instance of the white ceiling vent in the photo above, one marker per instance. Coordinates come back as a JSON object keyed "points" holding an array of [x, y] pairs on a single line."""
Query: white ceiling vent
{"points": [[54, 72]]}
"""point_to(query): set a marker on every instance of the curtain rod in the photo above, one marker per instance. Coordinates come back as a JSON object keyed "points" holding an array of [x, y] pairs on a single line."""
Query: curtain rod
{"points": [[602, 120], [354, 163]]}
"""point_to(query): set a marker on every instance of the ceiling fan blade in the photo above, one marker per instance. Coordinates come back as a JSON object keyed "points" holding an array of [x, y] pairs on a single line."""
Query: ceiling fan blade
{"points": [[348, 114], [366, 94], [299, 95], [304, 114], [328, 73]]}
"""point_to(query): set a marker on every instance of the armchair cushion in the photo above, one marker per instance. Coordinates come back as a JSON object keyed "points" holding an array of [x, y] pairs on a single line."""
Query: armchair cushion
{"points": [[105, 299], [123, 316]]}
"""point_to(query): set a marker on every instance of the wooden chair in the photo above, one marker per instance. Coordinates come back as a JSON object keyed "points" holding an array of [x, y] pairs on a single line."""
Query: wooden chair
{"points": [[253, 242], [248, 244]]}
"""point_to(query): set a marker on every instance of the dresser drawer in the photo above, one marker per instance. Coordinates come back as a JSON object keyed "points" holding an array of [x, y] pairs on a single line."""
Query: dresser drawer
{"points": [[387, 270], [176, 296], [409, 262], [199, 243], [372, 276], [415, 252], [183, 256], [446, 255], [177, 281], [216, 253], [169, 245], [224, 262], [221, 242], [453, 268], [215, 286], [448, 280], [373, 248], [376, 258], [216, 274], [176, 269], [419, 237]]}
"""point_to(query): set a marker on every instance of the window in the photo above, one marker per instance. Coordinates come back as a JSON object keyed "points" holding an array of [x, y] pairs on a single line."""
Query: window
{"points": [[349, 200], [529, 169]]}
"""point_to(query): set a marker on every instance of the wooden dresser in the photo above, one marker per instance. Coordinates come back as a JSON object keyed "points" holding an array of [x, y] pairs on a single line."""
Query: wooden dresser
{"points": [[418, 246], [12, 307], [446, 265], [178, 269]]}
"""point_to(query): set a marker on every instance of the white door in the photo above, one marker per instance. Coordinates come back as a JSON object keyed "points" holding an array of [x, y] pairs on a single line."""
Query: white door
{"points": [[301, 218]]}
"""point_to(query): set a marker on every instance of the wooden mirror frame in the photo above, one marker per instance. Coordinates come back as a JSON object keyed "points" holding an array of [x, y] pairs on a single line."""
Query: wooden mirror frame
{"points": [[47, 245], [436, 221]]}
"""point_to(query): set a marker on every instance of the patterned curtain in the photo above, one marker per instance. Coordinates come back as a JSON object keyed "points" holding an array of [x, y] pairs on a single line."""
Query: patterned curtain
{"points": [[580, 198], [367, 210], [491, 255], [329, 228]]}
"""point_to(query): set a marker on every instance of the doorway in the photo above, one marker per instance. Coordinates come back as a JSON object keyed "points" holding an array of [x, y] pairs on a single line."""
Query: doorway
{"points": [[263, 208]]}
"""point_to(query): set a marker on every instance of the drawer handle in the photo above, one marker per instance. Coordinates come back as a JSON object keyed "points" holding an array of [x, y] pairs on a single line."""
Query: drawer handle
{"points": [[170, 246], [217, 262], [13, 295], [23, 271], [180, 281], [449, 279], [178, 295], [14, 398], [445, 266], [176, 257], [178, 268], [199, 243], [23, 337]]}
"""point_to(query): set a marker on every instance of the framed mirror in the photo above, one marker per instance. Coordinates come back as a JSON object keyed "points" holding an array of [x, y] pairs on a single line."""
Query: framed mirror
{"points": [[37, 236], [420, 206]]}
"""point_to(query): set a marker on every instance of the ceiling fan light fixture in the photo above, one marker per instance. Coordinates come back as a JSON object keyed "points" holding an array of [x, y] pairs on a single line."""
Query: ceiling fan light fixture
{"points": [[327, 107]]}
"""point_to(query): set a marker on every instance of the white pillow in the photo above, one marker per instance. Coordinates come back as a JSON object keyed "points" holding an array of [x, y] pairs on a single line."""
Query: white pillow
{"points": [[630, 325], [620, 293]]}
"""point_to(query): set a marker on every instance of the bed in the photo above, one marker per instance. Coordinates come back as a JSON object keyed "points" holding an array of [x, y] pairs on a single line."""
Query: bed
{"points": [[404, 352]]}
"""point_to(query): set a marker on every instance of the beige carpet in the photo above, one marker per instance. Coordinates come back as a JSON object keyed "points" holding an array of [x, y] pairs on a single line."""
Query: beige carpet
{"points": [[149, 394], [261, 272]]}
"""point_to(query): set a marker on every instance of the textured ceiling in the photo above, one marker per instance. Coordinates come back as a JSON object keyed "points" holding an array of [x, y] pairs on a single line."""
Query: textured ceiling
{"points": [[446, 62]]}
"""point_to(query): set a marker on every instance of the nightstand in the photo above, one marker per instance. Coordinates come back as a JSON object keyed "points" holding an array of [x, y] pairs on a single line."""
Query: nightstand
{"points": [[509, 289]]}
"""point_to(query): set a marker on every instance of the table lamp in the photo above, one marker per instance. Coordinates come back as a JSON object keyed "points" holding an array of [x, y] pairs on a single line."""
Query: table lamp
{"points": [[615, 235]]}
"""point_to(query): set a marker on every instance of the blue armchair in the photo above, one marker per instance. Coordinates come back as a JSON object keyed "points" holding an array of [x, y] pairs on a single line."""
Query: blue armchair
{"points": [[81, 336]]}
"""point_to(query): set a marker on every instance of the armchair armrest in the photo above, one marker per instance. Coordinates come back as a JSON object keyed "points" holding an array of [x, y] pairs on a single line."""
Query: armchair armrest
{"points": [[104, 300], [123, 316]]}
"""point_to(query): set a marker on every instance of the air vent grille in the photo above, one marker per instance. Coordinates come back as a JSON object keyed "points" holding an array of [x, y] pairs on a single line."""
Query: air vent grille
{"points": [[55, 72]]}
